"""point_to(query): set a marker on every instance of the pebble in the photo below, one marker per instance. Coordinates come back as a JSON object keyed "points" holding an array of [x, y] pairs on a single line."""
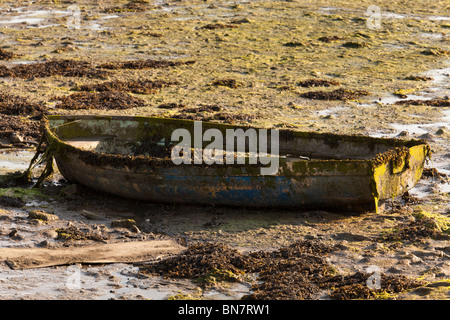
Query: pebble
{"points": [[90, 215], [52, 234], [42, 215], [415, 259], [16, 138], [403, 134], [15, 235], [440, 131], [422, 291], [124, 223], [71, 190]]}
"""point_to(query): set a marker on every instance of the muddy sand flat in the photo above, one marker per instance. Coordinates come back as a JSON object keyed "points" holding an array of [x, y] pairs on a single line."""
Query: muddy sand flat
{"points": [[304, 65]]}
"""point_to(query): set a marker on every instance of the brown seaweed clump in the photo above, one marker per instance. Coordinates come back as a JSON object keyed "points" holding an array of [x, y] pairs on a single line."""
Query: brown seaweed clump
{"points": [[339, 94], [299, 271], [214, 26], [18, 125], [424, 226], [6, 55], [66, 68], [231, 83], [435, 52], [318, 83], [426, 102], [133, 86], [132, 6], [171, 105], [355, 286], [418, 78], [15, 105], [396, 156], [211, 112], [99, 100], [434, 174], [202, 113], [355, 45], [143, 64], [19, 119], [73, 233], [330, 38]]}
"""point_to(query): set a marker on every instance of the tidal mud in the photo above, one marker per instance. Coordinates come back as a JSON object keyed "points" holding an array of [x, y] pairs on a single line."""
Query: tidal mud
{"points": [[131, 53]]}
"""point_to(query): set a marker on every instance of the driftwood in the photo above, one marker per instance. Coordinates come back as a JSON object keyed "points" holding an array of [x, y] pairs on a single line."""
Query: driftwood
{"points": [[127, 252]]}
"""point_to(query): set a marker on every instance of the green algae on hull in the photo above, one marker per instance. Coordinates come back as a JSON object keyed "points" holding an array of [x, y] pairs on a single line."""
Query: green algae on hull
{"points": [[342, 172]]}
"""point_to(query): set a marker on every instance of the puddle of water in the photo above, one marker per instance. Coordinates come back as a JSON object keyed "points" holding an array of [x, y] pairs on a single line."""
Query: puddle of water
{"points": [[431, 35], [36, 19], [440, 76], [392, 15], [391, 99], [24, 62], [96, 283], [393, 46], [111, 16], [14, 160], [22, 20], [414, 129], [331, 111], [439, 18], [328, 10]]}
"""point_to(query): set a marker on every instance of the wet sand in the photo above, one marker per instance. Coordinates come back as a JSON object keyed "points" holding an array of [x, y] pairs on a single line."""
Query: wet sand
{"points": [[250, 61]]}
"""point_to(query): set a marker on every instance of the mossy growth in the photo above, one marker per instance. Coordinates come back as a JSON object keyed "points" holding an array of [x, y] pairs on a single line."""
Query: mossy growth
{"points": [[185, 296], [425, 225], [23, 194], [434, 221], [216, 276]]}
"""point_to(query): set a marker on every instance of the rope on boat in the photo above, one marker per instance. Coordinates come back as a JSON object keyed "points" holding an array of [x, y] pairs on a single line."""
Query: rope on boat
{"points": [[44, 154]]}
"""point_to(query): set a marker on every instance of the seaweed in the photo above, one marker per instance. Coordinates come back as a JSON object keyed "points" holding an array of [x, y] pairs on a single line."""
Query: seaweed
{"points": [[231, 83], [133, 86], [143, 64], [297, 271], [27, 128], [318, 83], [293, 44], [214, 26], [99, 100], [6, 55], [445, 102], [16, 105], [396, 156], [171, 105], [330, 38], [355, 286], [339, 94], [355, 45], [418, 78], [434, 173], [66, 68], [424, 226], [131, 6], [435, 52], [73, 233]]}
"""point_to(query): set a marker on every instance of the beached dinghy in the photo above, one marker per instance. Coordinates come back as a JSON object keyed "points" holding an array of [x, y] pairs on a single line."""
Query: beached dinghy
{"points": [[131, 157]]}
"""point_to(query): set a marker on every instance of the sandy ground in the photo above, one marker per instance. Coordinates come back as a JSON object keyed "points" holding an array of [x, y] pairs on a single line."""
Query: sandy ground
{"points": [[253, 54]]}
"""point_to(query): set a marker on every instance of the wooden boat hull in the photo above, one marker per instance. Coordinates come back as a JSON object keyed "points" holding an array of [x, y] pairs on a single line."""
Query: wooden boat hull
{"points": [[358, 183]]}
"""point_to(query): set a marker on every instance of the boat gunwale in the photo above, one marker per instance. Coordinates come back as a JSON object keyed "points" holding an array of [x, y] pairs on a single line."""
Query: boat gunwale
{"points": [[155, 162]]}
